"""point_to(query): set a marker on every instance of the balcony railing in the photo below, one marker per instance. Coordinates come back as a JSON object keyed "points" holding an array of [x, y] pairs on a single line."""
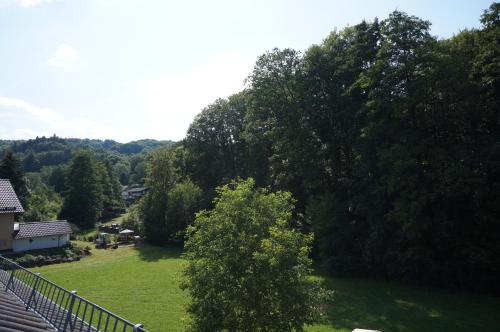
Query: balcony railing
{"points": [[63, 309]]}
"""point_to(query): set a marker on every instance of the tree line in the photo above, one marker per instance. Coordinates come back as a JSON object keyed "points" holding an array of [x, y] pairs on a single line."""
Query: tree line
{"points": [[90, 191], [387, 137], [42, 156], [38, 168]]}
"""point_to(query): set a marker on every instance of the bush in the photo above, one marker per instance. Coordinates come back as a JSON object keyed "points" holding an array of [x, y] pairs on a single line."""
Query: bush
{"points": [[87, 251], [68, 253]]}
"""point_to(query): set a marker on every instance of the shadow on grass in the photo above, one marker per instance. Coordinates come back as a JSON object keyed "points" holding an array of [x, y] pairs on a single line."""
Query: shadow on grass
{"points": [[151, 253], [379, 305]]}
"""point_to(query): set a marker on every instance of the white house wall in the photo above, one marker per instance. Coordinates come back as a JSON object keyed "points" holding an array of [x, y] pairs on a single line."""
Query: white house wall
{"points": [[42, 242]]}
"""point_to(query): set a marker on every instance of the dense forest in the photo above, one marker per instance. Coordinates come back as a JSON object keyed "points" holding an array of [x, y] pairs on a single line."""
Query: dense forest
{"points": [[43, 171], [387, 137]]}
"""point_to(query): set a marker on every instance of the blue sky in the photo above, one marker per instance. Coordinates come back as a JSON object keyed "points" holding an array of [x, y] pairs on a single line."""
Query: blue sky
{"points": [[127, 69]]}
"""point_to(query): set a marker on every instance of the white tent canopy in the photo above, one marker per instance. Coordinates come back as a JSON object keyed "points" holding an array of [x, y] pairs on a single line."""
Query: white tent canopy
{"points": [[127, 231]]}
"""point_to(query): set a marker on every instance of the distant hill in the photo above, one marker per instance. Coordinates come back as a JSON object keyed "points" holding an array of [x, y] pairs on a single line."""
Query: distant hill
{"points": [[48, 152]]}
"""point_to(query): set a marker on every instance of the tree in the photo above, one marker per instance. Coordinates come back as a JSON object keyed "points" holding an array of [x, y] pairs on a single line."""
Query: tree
{"points": [[44, 204], [30, 162], [57, 178], [388, 139], [153, 206], [10, 168], [277, 121], [215, 148], [111, 190], [184, 200], [247, 269], [83, 197]]}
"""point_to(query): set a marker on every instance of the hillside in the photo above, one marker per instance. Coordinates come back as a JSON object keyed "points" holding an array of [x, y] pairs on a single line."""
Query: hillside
{"points": [[42, 154]]}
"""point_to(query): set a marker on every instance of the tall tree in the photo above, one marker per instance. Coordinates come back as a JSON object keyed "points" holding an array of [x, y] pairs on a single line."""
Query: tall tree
{"points": [[83, 197], [184, 200], [10, 168], [277, 121], [111, 190], [388, 138], [215, 148], [153, 206]]}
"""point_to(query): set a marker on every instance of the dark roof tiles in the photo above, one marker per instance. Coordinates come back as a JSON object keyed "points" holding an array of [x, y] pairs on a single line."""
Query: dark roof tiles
{"points": [[42, 228], [9, 202], [15, 317]]}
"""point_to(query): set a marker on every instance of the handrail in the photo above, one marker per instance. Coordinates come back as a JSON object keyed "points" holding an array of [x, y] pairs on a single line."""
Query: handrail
{"points": [[63, 309]]}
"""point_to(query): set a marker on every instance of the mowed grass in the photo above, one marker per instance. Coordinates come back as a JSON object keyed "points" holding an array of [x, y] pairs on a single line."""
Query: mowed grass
{"points": [[142, 285]]}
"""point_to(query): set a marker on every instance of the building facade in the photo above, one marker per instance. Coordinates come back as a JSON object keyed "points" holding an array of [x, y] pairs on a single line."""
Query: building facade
{"points": [[9, 206]]}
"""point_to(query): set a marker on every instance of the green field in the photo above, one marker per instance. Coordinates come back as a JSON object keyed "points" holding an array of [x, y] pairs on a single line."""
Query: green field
{"points": [[141, 284]]}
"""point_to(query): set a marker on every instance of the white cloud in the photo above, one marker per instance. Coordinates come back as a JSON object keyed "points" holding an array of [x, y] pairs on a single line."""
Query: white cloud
{"points": [[160, 107], [24, 120], [23, 3], [64, 57], [40, 113]]}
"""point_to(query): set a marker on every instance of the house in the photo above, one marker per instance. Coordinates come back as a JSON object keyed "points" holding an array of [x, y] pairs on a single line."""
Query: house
{"points": [[30, 303], [9, 206], [18, 237], [131, 194], [40, 235]]}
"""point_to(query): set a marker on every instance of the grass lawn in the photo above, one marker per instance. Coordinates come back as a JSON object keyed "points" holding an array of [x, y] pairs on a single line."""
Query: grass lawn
{"points": [[116, 220], [141, 284]]}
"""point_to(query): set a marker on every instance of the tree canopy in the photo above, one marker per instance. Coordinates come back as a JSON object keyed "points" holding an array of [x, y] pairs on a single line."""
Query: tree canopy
{"points": [[247, 268], [11, 169], [83, 198], [387, 137]]}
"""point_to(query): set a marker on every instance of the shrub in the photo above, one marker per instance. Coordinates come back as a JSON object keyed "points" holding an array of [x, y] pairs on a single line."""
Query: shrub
{"points": [[41, 257]]}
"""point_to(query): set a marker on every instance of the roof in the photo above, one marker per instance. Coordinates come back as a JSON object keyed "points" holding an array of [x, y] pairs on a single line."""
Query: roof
{"points": [[131, 190], [42, 228], [9, 202], [15, 317]]}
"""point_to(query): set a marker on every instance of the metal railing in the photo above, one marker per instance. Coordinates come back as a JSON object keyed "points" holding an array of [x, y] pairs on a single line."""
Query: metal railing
{"points": [[63, 309]]}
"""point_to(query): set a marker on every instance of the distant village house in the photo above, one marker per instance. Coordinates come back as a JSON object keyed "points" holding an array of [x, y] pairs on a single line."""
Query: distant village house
{"points": [[131, 194]]}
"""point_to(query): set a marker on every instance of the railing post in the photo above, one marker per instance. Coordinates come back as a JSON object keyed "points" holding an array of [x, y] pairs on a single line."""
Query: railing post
{"points": [[2, 269], [137, 327], [33, 291], [70, 312], [11, 279]]}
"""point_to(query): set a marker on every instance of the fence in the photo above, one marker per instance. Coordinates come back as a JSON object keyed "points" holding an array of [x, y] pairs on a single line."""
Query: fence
{"points": [[65, 310]]}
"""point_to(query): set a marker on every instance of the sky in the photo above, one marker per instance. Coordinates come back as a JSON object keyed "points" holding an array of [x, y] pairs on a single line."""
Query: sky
{"points": [[134, 69]]}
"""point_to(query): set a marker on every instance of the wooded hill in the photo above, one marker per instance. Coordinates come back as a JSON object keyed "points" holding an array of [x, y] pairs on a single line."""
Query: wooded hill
{"points": [[47, 174], [42, 153]]}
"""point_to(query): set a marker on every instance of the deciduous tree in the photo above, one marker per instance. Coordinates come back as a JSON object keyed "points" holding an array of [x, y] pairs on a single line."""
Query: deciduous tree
{"points": [[83, 196], [247, 268]]}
